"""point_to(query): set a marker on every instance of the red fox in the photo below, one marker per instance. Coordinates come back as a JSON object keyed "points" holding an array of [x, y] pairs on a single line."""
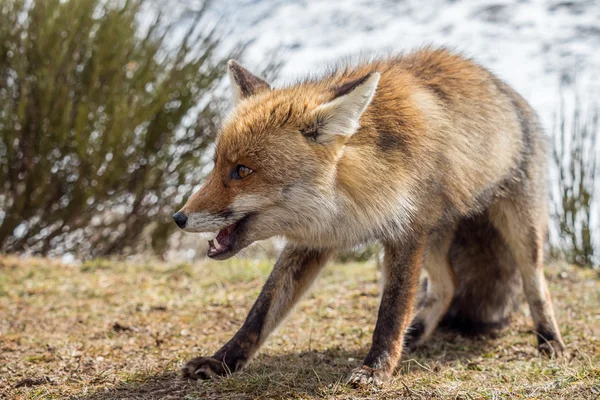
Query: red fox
{"points": [[427, 153]]}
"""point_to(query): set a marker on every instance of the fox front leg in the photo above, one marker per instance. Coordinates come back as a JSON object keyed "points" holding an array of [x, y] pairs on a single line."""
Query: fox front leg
{"points": [[294, 272], [402, 265]]}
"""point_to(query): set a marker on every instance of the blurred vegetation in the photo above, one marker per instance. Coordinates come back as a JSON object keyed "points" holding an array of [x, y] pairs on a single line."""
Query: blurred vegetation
{"points": [[105, 119], [103, 124], [360, 253], [576, 155]]}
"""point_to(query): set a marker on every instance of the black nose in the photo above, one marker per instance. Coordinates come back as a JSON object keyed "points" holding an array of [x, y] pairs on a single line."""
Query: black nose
{"points": [[180, 219]]}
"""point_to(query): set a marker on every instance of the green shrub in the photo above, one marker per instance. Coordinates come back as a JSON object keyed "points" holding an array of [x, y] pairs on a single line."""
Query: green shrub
{"points": [[103, 124], [576, 159]]}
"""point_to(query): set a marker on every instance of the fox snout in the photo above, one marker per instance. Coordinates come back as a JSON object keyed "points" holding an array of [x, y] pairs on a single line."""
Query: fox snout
{"points": [[210, 210], [206, 210]]}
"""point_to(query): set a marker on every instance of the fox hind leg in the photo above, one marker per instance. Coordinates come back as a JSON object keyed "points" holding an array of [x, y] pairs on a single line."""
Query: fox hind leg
{"points": [[440, 288], [524, 234]]}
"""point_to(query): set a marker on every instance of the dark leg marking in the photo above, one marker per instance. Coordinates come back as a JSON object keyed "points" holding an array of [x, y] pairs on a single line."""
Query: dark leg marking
{"points": [[402, 268], [548, 344]]}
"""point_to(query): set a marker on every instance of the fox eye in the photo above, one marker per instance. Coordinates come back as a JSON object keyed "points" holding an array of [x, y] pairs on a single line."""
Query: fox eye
{"points": [[241, 172]]}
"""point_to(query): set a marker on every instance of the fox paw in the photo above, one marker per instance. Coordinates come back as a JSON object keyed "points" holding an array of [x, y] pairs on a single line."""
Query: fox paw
{"points": [[204, 368], [551, 348], [367, 376], [414, 335]]}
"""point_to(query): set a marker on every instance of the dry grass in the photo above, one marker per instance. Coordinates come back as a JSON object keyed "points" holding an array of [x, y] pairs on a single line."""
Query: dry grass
{"points": [[109, 330]]}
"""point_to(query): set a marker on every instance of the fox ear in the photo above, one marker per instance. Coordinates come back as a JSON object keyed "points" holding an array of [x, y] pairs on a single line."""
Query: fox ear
{"points": [[244, 83], [341, 116]]}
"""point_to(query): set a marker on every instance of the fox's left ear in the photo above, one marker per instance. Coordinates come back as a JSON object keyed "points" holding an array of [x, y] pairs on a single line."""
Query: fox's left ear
{"points": [[245, 84], [341, 116]]}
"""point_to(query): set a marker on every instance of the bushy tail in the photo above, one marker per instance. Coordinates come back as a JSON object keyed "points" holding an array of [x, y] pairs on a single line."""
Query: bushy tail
{"points": [[488, 282]]}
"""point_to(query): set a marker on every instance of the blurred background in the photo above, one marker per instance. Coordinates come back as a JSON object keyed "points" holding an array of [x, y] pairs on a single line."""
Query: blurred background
{"points": [[108, 109]]}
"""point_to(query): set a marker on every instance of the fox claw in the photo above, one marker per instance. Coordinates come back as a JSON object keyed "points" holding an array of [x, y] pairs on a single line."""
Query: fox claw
{"points": [[204, 368], [367, 376], [551, 348]]}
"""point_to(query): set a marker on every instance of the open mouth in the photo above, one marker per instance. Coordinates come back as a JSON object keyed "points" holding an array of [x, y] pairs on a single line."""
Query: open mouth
{"points": [[225, 241], [222, 243]]}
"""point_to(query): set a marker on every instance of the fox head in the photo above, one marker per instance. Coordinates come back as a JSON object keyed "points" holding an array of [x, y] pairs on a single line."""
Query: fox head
{"points": [[276, 161]]}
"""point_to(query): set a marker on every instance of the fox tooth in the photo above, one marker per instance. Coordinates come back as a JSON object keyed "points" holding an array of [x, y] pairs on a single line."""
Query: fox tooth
{"points": [[210, 235], [217, 244]]}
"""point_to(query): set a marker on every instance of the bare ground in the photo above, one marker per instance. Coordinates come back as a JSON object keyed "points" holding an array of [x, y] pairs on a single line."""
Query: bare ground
{"points": [[107, 330]]}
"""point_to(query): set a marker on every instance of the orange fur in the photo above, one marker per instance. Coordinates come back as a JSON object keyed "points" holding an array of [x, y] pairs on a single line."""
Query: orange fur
{"points": [[408, 150]]}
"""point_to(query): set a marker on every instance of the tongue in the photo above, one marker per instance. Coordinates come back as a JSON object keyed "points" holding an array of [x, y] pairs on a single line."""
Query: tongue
{"points": [[222, 242], [225, 235]]}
